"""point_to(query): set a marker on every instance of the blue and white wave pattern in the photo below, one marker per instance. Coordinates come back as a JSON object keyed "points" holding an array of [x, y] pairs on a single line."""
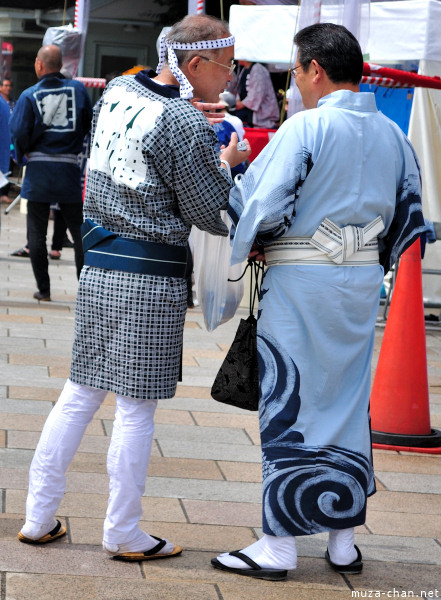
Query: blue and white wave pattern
{"points": [[306, 489]]}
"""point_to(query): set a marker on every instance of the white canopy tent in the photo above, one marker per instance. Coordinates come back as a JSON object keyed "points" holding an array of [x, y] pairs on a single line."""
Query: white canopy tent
{"points": [[398, 31]]}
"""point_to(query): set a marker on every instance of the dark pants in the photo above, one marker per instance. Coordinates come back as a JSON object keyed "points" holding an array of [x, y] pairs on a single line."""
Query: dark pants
{"points": [[59, 234], [60, 229], [38, 219]]}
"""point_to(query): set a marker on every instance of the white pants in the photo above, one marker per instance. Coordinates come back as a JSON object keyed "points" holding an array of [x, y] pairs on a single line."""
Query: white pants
{"points": [[127, 458]]}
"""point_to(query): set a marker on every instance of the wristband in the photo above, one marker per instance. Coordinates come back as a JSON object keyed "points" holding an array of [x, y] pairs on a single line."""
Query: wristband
{"points": [[227, 165]]}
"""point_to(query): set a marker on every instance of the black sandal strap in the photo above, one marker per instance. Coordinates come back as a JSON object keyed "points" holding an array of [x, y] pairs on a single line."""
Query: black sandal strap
{"points": [[246, 559], [156, 548], [56, 529]]}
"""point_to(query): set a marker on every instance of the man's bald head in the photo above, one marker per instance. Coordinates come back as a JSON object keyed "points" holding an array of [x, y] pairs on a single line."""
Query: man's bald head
{"points": [[49, 60]]}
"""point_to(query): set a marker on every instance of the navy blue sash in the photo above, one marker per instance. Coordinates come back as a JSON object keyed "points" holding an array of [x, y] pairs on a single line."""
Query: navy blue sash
{"points": [[106, 250]]}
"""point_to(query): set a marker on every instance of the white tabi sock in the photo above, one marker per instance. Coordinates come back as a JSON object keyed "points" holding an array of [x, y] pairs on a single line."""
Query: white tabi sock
{"points": [[141, 543], [270, 552], [341, 546], [35, 531]]}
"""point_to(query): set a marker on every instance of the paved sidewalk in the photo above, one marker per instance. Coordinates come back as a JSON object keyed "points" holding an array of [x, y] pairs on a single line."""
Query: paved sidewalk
{"points": [[203, 490]]}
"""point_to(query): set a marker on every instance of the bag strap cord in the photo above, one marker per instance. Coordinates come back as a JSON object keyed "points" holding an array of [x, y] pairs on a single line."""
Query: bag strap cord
{"points": [[257, 270]]}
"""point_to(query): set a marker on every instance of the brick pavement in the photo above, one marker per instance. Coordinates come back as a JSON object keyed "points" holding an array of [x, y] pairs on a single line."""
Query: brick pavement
{"points": [[203, 490]]}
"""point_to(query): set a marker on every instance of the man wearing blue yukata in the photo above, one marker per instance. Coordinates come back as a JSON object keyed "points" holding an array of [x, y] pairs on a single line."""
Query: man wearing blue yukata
{"points": [[330, 204]]}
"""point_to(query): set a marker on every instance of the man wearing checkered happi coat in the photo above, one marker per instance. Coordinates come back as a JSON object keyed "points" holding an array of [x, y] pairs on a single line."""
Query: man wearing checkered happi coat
{"points": [[153, 174], [132, 324]]}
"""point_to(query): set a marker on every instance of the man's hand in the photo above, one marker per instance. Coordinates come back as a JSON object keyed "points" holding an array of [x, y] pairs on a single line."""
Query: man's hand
{"points": [[234, 156], [257, 253], [210, 110]]}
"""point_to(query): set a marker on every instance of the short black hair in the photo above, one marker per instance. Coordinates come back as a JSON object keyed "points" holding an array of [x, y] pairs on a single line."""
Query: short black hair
{"points": [[335, 49]]}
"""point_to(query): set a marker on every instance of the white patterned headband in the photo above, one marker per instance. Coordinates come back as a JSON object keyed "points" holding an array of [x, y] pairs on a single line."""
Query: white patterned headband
{"points": [[185, 88]]}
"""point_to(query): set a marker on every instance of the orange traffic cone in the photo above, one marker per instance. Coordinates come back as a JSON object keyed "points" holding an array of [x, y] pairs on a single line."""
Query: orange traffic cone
{"points": [[400, 416]]}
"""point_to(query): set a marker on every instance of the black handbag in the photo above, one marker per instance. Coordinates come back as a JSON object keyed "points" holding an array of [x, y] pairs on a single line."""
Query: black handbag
{"points": [[237, 381]]}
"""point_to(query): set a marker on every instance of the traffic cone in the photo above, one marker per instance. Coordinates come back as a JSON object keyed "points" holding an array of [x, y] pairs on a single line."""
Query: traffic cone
{"points": [[400, 416]]}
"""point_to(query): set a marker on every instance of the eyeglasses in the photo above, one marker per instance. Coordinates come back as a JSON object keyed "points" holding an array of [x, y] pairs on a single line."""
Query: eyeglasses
{"points": [[229, 67], [294, 69]]}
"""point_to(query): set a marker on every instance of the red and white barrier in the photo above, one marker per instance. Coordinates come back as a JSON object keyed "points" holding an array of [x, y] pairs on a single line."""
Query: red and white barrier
{"points": [[383, 82], [388, 77], [93, 82], [373, 74]]}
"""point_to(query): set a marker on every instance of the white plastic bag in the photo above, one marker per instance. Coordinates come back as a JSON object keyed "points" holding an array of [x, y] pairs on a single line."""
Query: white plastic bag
{"points": [[70, 41], [218, 297]]}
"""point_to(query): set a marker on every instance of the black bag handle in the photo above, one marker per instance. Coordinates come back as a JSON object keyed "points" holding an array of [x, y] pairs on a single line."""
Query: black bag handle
{"points": [[257, 269], [256, 272]]}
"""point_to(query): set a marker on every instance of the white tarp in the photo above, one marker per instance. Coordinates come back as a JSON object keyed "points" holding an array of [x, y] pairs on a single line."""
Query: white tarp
{"points": [[399, 30], [405, 30], [425, 134], [263, 33]]}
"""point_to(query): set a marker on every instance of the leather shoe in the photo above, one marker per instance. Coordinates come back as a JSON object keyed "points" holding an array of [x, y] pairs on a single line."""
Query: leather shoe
{"points": [[23, 252], [42, 297]]}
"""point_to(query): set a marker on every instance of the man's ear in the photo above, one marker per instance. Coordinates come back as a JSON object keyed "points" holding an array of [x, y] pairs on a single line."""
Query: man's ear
{"points": [[194, 66], [317, 69]]}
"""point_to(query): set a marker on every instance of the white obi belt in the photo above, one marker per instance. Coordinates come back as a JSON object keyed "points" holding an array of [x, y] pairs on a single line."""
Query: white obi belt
{"points": [[330, 244]]}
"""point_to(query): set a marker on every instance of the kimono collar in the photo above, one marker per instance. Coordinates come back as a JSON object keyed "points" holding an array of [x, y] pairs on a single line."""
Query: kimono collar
{"points": [[359, 101], [146, 78], [56, 74]]}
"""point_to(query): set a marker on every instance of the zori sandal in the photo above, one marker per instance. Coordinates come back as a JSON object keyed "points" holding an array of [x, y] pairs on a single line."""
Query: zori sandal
{"points": [[151, 554], [58, 531], [354, 567], [255, 571]]}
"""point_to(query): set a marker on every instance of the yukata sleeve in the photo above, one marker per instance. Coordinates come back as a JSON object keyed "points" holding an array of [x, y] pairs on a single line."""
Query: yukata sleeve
{"points": [[21, 127], [5, 140], [408, 221], [201, 185], [263, 201], [87, 112]]}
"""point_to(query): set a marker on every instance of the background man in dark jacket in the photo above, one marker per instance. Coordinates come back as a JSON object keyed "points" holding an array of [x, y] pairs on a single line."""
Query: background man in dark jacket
{"points": [[48, 126]]}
